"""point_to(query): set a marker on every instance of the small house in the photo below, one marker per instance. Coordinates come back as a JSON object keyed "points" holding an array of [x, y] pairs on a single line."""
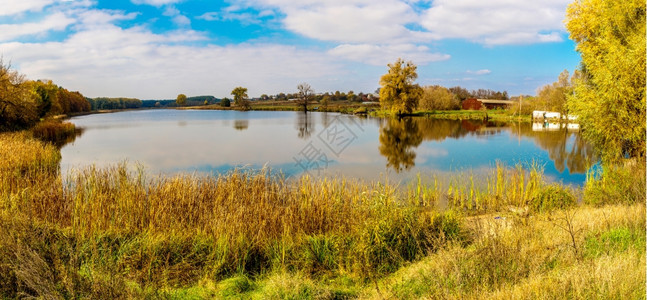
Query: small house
{"points": [[475, 104], [472, 104]]}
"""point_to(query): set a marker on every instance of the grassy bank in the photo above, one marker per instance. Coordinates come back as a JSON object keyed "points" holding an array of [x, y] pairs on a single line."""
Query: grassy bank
{"points": [[115, 233]]}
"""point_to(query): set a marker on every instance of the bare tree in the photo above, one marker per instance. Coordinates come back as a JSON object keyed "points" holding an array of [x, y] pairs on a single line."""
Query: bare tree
{"points": [[305, 93]]}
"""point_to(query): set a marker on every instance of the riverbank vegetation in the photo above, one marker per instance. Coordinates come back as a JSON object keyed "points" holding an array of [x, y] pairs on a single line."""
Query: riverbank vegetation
{"points": [[117, 232]]}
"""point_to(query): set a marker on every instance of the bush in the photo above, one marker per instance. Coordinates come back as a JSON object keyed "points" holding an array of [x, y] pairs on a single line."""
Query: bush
{"points": [[616, 185], [551, 197], [55, 132], [361, 110], [405, 236], [225, 102]]}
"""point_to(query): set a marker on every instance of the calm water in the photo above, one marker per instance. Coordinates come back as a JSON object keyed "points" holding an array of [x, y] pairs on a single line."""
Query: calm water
{"points": [[330, 144]]}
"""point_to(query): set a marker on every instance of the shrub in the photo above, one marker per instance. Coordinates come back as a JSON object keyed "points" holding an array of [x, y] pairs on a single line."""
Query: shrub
{"points": [[552, 197], [361, 110], [225, 102], [55, 132], [615, 185]]}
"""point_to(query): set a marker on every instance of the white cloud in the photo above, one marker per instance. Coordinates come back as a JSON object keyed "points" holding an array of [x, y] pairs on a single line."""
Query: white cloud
{"points": [[157, 3], [380, 55], [176, 16], [236, 13], [348, 21], [479, 72], [497, 22], [209, 16], [93, 18], [12, 7], [106, 60], [56, 21]]}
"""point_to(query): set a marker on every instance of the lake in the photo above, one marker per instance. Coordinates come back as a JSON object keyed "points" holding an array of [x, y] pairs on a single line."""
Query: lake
{"points": [[169, 141]]}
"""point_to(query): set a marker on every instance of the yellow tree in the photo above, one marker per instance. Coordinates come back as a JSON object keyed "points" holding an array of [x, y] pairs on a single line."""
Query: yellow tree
{"points": [[180, 100], [240, 98], [398, 93], [437, 98], [609, 95], [18, 107]]}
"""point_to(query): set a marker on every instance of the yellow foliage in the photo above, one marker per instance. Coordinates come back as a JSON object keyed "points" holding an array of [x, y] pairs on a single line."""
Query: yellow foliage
{"points": [[609, 97]]}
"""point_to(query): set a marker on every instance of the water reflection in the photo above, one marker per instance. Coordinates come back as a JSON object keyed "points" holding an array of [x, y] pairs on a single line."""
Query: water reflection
{"points": [[398, 139], [578, 157], [241, 124], [61, 139], [379, 146], [305, 125]]}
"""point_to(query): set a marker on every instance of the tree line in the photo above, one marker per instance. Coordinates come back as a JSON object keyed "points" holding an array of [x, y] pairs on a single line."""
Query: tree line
{"points": [[114, 103], [24, 102]]}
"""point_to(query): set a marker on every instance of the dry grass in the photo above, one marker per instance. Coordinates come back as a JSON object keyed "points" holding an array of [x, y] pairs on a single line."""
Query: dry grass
{"points": [[116, 233], [531, 257]]}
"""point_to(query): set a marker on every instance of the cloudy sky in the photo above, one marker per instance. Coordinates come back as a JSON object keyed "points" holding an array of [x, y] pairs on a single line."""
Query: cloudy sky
{"points": [[155, 49]]}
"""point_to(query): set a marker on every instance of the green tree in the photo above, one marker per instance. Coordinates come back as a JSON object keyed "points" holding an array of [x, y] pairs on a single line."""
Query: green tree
{"points": [[46, 92], [180, 100], [240, 98], [609, 95], [225, 102], [398, 93]]}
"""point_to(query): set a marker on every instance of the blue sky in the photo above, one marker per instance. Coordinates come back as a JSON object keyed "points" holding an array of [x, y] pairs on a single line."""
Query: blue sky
{"points": [[156, 49]]}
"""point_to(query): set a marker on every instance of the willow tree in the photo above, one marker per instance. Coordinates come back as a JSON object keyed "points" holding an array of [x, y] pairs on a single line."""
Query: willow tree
{"points": [[398, 93], [609, 96]]}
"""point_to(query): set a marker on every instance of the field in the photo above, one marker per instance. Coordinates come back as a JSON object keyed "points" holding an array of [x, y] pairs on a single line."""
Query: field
{"points": [[117, 233]]}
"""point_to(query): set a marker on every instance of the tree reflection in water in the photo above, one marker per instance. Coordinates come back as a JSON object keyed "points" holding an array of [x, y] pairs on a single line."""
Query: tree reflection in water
{"points": [[578, 159], [305, 125], [241, 124], [398, 138]]}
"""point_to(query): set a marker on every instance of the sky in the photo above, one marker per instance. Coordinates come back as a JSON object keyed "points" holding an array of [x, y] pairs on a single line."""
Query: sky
{"points": [[157, 49]]}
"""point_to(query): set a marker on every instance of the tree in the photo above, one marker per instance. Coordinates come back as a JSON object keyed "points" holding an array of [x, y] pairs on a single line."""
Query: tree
{"points": [[609, 94], [437, 98], [351, 96], [398, 93], [324, 102], [552, 97], [240, 98], [304, 95], [18, 107], [225, 102], [180, 100]]}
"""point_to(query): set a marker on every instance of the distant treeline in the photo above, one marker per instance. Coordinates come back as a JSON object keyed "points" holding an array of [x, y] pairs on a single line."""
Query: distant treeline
{"points": [[190, 101], [114, 103]]}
